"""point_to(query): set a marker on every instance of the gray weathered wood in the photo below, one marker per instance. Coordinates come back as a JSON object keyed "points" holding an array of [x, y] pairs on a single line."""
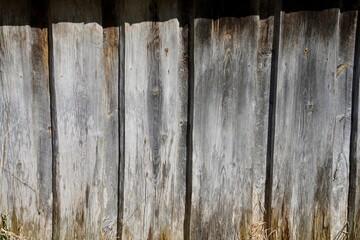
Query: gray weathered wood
{"points": [[312, 130], [340, 168], [232, 76], [354, 207], [111, 132], [155, 130], [85, 72], [25, 140]]}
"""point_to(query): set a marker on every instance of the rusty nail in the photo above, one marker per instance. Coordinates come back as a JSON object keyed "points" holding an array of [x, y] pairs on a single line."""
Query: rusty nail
{"points": [[155, 92]]}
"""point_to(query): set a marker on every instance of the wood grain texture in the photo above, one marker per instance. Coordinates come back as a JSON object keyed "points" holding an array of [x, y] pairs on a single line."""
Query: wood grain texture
{"points": [[354, 193], [340, 168], [312, 129], [155, 130], [25, 140], [111, 132], [232, 76], [85, 72]]}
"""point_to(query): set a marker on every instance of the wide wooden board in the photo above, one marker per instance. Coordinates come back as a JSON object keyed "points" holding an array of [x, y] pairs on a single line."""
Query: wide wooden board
{"points": [[312, 128], [25, 138], [155, 130], [232, 62], [85, 83]]}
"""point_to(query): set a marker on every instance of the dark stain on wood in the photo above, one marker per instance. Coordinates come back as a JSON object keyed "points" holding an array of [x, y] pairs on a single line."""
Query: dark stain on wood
{"points": [[150, 234], [155, 99], [15, 221], [87, 190], [321, 219]]}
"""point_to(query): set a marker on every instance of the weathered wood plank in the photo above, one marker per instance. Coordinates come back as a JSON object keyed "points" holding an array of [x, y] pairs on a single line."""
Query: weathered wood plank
{"points": [[310, 171], [25, 140], [232, 76], [155, 130], [354, 193], [340, 168], [111, 131], [85, 73]]}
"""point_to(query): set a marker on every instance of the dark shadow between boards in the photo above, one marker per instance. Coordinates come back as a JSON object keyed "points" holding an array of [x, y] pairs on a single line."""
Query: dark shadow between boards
{"points": [[36, 13]]}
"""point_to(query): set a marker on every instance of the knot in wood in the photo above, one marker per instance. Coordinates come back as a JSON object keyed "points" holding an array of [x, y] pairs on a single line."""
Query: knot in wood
{"points": [[310, 106]]}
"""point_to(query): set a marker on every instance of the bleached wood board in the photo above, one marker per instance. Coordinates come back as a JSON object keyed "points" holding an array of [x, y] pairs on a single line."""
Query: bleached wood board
{"points": [[155, 130], [25, 136], [85, 66], [312, 129], [232, 62]]}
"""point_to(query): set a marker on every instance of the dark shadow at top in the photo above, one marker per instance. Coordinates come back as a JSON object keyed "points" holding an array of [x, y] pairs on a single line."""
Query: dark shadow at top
{"points": [[318, 5], [24, 12], [110, 13], [215, 9], [156, 11]]}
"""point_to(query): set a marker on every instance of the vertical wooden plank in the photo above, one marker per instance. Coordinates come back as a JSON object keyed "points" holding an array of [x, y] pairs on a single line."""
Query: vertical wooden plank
{"points": [[85, 82], [354, 193], [111, 132], [312, 126], [121, 114], [25, 140], [340, 167], [232, 75], [155, 122], [111, 60]]}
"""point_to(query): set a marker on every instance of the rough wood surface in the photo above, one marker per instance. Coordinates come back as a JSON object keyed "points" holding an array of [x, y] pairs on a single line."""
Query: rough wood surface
{"points": [[311, 165], [25, 167], [354, 203], [111, 132], [25, 140], [230, 126], [155, 130], [132, 109], [340, 167], [85, 78]]}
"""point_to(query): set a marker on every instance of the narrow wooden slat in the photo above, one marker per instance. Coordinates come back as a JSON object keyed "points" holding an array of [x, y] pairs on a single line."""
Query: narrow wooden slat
{"points": [[111, 132], [232, 76], [311, 165], [25, 140], [354, 193], [155, 124], [85, 78], [340, 168]]}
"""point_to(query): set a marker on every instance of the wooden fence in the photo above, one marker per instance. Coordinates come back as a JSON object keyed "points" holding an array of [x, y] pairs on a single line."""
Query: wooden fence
{"points": [[196, 119]]}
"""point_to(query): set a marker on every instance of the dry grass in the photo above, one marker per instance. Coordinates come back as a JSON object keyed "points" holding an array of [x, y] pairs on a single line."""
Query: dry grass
{"points": [[5, 233], [259, 231], [343, 234]]}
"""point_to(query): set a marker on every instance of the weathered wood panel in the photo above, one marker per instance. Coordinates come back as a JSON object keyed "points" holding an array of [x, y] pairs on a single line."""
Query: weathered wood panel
{"points": [[25, 140], [155, 127], [310, 171], [340, 168], [111, 132], [85, 78], [232, 61], [354, 193]]}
